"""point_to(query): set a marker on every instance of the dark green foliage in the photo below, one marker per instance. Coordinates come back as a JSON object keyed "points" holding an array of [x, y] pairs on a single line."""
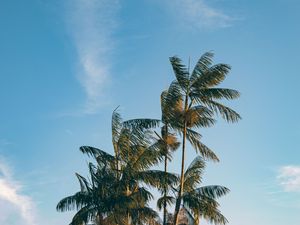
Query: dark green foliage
{"points": [[116, 191]]}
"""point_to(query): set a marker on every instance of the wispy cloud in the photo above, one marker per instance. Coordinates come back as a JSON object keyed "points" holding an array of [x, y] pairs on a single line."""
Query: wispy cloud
{"points": [[199, 14], [289, 178], [91, 24], [19, 208]]}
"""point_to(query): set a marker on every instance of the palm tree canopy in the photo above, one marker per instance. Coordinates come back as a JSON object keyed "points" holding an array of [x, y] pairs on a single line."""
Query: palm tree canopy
{"points": [[201, 84]]}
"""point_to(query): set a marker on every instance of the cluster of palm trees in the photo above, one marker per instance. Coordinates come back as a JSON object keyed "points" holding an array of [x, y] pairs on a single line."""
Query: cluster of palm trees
{"points": [[117, 191]]}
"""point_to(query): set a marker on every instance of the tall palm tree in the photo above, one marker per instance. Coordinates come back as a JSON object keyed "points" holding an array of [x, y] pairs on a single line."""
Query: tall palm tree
{"points": [[167, 143], [199, 95]]}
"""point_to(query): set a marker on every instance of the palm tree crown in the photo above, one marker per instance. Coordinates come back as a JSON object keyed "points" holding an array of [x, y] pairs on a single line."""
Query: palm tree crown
{"points": [[199, 97]]}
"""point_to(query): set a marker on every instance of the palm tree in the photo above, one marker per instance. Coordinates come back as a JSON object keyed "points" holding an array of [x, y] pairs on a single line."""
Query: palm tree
{"points": [[115, 194], [104, 198], [199, 96], [168, 143], [200, 201]]}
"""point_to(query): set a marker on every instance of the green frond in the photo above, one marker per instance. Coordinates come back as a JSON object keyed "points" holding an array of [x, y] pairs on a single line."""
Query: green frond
{"points": [[212, 191], [143, 123], [146, 157], [227, 113], [216, 93], [157, 178], [83, 216], [193, 174], [84, 184], [199, 116], [169, 200], [193, 134], [204, 151], [180, 71], [76, 201], [116, 125], [203, 65], [214, 216], [97, 153], [212, 77]]}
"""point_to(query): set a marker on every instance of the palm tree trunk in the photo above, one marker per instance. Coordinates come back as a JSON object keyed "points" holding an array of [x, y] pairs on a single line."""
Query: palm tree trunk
{"points": [[165, 194], [165, 169], [178, 200]]}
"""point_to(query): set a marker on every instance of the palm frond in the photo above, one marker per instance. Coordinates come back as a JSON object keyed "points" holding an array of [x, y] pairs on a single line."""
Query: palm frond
{"points": [[199, 116], [227, 113], [202, 149], [157, 178], [84, 184], [83, 216], [76, 201], [147, 157], [116, 125], [193, 174], [101, 156], [202, 66], [212, 191], [143, 123], [212, 77], [214, 215], [169, 200], [216, 93], [180, 71]]}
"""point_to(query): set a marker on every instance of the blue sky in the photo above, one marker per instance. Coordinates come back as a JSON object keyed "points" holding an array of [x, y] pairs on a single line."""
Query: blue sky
{"points": [[65, 65]]}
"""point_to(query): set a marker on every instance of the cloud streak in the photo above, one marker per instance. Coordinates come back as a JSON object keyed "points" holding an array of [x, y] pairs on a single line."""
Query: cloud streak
{"points": [[289, 178], [199, 14], [91, 24], [19, 208]]}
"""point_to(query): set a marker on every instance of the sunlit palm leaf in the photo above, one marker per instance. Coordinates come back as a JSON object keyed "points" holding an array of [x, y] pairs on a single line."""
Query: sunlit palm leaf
{"points": [[212, 77]]}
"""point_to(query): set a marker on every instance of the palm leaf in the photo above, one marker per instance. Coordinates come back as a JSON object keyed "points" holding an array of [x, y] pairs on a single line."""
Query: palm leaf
{"points": [[193, 174], [199, 116], [227, 113], [116, 125], [101, 156], [169, 200], [217, 93], [202, 66], [180, 71], [212, 77], [157, 178], [143, 123], [212, 191], [202, 149]]}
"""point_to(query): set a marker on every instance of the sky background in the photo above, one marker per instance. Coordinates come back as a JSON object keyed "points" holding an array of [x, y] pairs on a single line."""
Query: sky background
{"points": [[66, 65]]}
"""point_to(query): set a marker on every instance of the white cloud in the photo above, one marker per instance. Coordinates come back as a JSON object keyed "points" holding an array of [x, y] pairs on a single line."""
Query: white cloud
{"points": [[197, 13], [289, 178], [91, 24], [16, 208]]}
